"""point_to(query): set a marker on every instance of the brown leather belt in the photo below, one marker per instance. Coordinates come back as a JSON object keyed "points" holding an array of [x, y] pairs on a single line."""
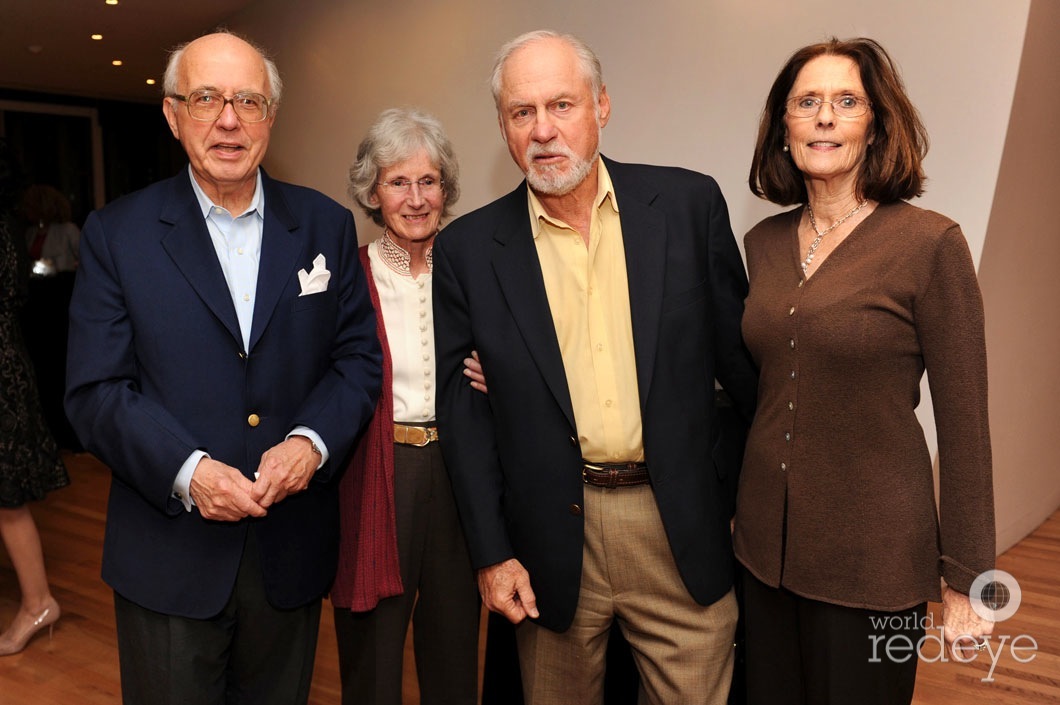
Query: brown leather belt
{"points": [[612, 475], [414, 435]]}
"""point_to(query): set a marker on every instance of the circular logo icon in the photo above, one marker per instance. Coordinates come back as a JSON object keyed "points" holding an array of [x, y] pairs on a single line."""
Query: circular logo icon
{"points": [[995, 595]]}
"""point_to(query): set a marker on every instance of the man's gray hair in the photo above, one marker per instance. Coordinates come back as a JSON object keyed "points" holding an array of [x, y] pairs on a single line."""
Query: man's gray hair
{"points": [[399, 134], [590, 64], [169, 79]]}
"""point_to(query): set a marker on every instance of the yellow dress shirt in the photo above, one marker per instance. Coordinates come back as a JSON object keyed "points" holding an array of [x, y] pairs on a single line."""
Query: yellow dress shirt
{"points": [[588, 293]]}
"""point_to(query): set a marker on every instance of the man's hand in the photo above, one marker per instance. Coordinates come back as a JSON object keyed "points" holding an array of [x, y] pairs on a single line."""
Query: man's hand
{"points": [[285, 469], [222, 493], [505, 589], [963, 627], [473, 371]]}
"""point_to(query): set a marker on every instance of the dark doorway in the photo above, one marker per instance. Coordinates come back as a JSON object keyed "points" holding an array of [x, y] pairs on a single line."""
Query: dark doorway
{"points": [[55, 150]]}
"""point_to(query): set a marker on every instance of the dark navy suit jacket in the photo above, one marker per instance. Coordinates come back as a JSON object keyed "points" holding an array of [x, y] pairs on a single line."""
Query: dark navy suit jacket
{"points": [[157, 370], [513, 454]]}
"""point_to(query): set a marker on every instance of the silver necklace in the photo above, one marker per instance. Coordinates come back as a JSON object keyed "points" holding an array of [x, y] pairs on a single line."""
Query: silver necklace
{"points": [[820, 235]]}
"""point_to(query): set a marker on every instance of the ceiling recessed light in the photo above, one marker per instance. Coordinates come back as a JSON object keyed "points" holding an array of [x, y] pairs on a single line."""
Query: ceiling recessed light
{"points": [[97, 37], [112, 2], [116, 62], [150, 81], [34, 48]]}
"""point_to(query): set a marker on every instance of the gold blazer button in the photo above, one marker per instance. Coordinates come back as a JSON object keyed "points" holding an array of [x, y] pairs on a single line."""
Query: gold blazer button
{"points": [[253, 420]]}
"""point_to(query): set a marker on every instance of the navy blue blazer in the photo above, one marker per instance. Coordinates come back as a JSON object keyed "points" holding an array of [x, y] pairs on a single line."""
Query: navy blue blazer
{"points": [[514, 456], [157, 369]]}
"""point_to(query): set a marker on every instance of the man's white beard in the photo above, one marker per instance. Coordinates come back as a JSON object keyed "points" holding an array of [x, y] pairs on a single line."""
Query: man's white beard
{"points": [[549, 179]]}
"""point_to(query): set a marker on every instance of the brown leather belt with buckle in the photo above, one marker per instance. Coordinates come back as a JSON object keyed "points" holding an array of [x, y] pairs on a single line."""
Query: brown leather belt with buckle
{"points": [[418, 436], [612, 475]]}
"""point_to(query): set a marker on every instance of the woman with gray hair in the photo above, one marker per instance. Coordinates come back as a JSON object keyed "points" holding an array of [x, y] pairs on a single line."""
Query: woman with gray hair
{"points": [[402, 553]]}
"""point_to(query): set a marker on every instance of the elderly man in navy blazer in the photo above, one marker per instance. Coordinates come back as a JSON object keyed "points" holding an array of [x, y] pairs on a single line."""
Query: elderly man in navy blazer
{"points": [[603, 299], [222, 361]]}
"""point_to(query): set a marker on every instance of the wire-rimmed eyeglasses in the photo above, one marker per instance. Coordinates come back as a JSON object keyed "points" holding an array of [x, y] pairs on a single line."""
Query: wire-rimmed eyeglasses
{"points": [[847, 106], [208, 105], [427, 185]]}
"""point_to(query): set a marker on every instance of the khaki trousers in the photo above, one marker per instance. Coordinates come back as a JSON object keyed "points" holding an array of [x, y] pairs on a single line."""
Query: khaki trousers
{"points": [[683, 650]]}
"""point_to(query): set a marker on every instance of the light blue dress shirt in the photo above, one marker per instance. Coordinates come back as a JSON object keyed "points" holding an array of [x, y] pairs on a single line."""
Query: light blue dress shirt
{"points": [[237, 242]]}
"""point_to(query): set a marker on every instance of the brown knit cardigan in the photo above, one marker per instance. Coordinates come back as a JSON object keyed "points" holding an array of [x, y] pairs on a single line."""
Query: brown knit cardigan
{"points": [[368, 569], [837, 499]]}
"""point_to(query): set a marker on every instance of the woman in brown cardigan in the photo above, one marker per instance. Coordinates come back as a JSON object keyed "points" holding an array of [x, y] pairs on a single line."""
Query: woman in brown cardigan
{"points": [[853, 295], [402, 554]]}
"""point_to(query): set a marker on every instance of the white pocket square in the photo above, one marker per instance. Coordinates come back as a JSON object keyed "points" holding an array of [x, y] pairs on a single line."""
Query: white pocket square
{"points": [[317, 280]]}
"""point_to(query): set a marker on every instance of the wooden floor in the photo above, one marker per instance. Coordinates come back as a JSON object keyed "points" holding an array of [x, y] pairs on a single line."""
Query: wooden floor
{"points": [[79, 665]]}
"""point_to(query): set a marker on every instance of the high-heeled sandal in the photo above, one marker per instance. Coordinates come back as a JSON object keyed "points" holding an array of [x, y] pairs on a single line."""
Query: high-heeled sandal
{"points": [[20, 636]]}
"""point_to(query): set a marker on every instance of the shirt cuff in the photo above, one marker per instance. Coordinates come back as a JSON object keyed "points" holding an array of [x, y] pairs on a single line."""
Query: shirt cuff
{"points": [[182, 483], [316, 439]]}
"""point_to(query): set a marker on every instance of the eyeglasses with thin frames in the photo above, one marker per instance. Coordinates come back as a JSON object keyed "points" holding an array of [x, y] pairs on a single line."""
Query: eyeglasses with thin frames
{"points": [[208, 105], [847, 106], [428, 185]]}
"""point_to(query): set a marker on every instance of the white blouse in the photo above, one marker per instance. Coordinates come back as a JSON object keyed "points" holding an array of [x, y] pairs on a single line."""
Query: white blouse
{"points": [[409, 320]]}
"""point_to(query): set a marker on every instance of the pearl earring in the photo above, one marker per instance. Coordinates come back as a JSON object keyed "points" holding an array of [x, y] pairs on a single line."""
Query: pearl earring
{"points": [[785, 148]]}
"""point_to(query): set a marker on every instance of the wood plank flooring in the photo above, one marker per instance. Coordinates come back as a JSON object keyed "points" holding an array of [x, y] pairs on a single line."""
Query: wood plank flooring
{"points": [[79, 665]]}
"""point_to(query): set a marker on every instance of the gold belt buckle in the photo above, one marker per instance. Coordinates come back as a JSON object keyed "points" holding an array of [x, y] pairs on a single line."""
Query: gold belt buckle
{"points": [[418, 436]]}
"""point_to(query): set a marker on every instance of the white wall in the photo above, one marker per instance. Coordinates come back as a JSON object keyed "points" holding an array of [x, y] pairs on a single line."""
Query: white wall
{"points": [[1021, 291], [687, 80]]}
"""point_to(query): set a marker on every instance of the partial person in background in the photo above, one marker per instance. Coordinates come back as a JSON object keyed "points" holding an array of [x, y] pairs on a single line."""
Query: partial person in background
{"points": [[53, 243], [402, 553], [223, 361], [30, 466], [853, 295], [51, 238]]}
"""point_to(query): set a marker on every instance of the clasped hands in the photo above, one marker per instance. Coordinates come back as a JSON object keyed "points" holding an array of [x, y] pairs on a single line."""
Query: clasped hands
{"points": [[223, 493]]}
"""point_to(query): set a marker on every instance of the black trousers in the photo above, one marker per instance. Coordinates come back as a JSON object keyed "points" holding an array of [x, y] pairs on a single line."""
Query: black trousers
{"points": [[249, 654], [441, 599], [805, 652]]}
